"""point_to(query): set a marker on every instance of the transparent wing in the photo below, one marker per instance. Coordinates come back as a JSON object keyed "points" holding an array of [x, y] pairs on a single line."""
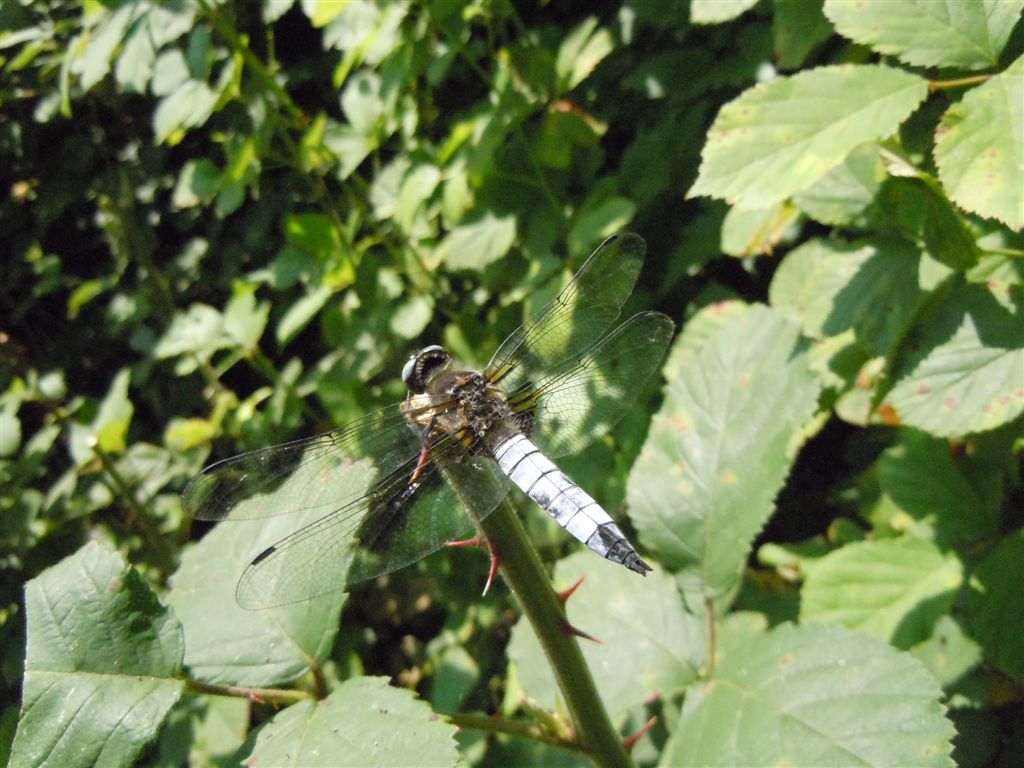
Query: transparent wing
{"points": [[383, 506], [396, 523], [576, 318], [579, 400], [323, 472]]}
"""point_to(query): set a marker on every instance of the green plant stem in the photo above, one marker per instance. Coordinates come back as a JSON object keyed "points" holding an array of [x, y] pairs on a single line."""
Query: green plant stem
{"points": [[525, 575], [268, 695], [936, 85], [529, 730]]}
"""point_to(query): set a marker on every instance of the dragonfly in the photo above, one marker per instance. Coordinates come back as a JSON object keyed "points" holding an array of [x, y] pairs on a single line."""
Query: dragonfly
{"points": [[395, 485]]}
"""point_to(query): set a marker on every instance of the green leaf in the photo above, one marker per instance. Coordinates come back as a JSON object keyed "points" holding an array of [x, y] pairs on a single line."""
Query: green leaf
{"points": [[996, 612], [979, 148], [814, 695], [300, 313], [199, 332], [227, 644], [779, 137], [965, 371], [717, 11], [941, 496], [831, 287], [797, 28], [365, 722], [949, 653], [842, 195], [100, 666], [649, 644], [244, 317], [717, 451], [94, 63], [594, 223], [580, 52], [755, 232], [479, 244], [930, 33], [187, 107], [894, 589]]}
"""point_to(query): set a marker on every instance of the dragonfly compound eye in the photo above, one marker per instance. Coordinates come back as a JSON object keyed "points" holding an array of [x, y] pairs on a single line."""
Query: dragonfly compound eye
{"points": [[423, 366]]}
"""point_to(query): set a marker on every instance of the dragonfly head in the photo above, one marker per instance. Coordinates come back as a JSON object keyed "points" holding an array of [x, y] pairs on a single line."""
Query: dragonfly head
{"points": [[423, 366]]}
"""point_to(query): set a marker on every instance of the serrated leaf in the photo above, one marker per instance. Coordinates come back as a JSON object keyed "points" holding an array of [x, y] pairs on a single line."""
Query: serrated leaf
{"points": [[716, 454], [894, 589], [979, 148], [929, 33], [996, 611], [101, 665], [649, 645], [966, 369], [943, 502], [717, 11], [478, 244], [831, 287], [949, 653], [842, 195], [818, 696], [364, 722], [230, 645], [782, 136]]}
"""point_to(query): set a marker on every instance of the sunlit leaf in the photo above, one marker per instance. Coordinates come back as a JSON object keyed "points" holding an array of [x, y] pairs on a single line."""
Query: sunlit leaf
{"points": [[717, 451], [649, 644], [895, 589], [478, 244], [966, 366], [814, 696], [581, 51], [979, 148], [930, 33], [102, 665], [253, 648], [364, 722], [780, 137], [717, 11]]}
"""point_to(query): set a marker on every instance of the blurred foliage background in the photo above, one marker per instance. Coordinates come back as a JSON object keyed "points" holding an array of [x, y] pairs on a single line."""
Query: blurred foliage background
{"points": [[228, 224]]}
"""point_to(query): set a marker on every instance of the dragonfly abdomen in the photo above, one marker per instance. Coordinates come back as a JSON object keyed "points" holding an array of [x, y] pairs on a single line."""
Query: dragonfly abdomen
{"points": [[570, 506]]}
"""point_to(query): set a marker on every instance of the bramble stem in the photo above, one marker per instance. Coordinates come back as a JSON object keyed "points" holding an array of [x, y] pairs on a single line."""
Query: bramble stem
{"points": [[525, 575]]}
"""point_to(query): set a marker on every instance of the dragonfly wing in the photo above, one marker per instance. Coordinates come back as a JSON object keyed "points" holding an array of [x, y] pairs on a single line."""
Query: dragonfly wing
{"points": [[402, 518], [576, 318], [325, 472], [581, 399]]}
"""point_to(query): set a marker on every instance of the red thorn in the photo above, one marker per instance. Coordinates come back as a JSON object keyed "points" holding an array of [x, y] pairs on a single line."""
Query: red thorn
{"points": [[565, 594], [256, 698], [476, 541], [629, 741], [570, 629], [495, 561]]}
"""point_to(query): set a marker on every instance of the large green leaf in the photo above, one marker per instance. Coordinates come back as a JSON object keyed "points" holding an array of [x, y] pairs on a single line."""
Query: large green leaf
{"points": [[966, 369], [979, 148], [830, 287], [781, 136], [996, 610], [101, 665], [649, 644], [718, 450], [943, 497], [895, 589], [818, 696], [229, 645], [930, 33], [363, 723], [478, 244]]}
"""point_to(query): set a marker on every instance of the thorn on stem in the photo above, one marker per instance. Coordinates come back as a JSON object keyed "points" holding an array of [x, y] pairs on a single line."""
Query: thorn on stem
{"points": [[571, 630], [630, 741], [565, 594]]}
